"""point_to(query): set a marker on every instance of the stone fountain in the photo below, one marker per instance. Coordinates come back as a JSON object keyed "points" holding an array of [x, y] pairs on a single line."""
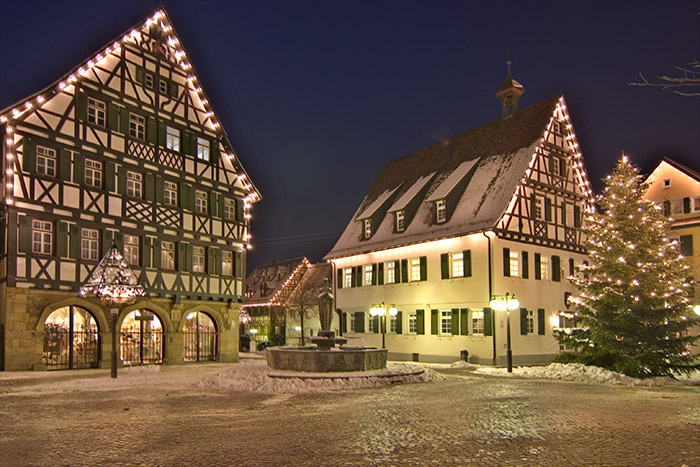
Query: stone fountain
{"points": [[323, 356]]}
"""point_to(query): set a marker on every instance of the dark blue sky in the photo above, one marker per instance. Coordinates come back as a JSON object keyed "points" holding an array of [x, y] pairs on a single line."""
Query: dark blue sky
{"points": [[317, 96]]}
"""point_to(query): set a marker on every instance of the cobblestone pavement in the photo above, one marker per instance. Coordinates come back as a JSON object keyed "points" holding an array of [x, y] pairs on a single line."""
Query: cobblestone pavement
{"points": [[466, 419]]}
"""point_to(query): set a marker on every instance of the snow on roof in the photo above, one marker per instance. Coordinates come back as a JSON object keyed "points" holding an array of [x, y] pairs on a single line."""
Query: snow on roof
{"points": [[410, 193], [452, 180], [268, 280], [376, 204]]}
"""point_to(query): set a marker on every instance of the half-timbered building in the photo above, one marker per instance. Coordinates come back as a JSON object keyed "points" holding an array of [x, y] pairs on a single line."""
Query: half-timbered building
{"points": [[493, 210], [125, 148]]}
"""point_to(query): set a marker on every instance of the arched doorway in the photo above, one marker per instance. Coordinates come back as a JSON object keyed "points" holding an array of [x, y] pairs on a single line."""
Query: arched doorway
{"points": [[71, 339], [200, 339], [141, 338]]}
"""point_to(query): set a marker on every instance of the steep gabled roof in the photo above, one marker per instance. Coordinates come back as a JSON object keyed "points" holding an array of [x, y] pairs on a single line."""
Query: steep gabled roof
{"points": [[501, 150], [172, 42], [267, 283], [686, 170]]}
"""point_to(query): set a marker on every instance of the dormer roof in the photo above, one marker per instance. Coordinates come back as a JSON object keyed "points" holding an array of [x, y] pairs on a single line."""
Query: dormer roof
{"points": [[411, 193]]}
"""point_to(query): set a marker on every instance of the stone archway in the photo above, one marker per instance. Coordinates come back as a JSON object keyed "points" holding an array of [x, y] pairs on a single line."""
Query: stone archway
{"points": [[71, 339], [200, 337], [141, 338]]}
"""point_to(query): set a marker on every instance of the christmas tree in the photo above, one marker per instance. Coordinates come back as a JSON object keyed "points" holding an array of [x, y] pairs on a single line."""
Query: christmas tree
{"points": [[632, 315]]}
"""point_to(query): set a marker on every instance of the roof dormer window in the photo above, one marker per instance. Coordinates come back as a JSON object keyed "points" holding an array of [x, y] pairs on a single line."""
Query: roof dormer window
{"points": [[440, 211], [367, 228], [400, 221]]}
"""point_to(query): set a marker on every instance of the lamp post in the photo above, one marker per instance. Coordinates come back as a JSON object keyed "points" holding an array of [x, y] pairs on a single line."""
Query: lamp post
{"points": [[380, 310], [507, 304], [114, 283]]}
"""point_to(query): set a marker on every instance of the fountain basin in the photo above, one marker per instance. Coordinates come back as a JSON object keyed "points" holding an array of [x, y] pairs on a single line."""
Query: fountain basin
{"points": [[310, 359]]}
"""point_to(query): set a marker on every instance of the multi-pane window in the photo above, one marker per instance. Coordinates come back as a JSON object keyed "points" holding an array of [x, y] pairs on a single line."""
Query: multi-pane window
{"points": [[149, 81], [415, 269], [163, 86], [677, 206], [514, 258], [412, 327], [203, 149], [134, 184], [96, 112], [198, 259], [42, 237], [440, 211], [544, 267], [167, 255], [353, 325], [373, 324], [393, 324], [172, 138], [457, 266], [390, 267], [445, 322], [227, 263], [347, 277], [132, 249], [200, 202], [89, 244], [137, 126], [530, 321], [554, 165], [368, 228], [400, 221], [477, 322], [368, 274], [46, 161], [170, 193], [229, 209], [93, 173], [538, 208]]}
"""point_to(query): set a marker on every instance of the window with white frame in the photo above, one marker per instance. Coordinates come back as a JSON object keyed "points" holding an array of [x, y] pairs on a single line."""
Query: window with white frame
{"points": [[137, 126], [172, 138], [93, 173], [477, 322], [163, 86], [440, 211], [554, 166], [203, 149], [96, 112], [132, 249], [46, 161], [390, 267], [544, 267], [200, 202], [393, 323], [353, 325], [514, 261], [677, 206], [667, 183], [347, 277], [149, 81], [412, 326], [530, 321], [457, 264], [227, 263], [167, 255], [134, 185], [367, 228], [373, 324], [42, 237], [415, 269], [696, 204], [538, 208], [445, 322], [198, 259], [369, 274], [400, 221], [229, 209], [89, 244], [170, 193]]}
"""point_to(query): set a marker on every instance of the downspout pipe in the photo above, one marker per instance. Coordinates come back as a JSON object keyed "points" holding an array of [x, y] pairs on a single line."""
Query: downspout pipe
{"points": [[493, 314]]}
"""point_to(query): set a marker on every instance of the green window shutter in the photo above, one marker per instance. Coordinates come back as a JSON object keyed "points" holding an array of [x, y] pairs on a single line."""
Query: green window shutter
{"points": [[121, 181], [360, 321], [562, 167], [110, 170], [74, 241], [79, 168], [667, 208], [123, 121], [118, 238], [463, 322], [399, 322], [375, 324], [488, 322], [374, 274], [140, 73], [240, 266], [380, 274], [182, 257], [538, 272], [213, 205], [360, 282], [211, 260], [445, 265], [160, 190], [186, 142], [220, 204], [523, 321], [420, 322], [467, 262], [547, 209], [29, 155], [533, 204], [112, 117], [526, 265], [62, 240], [152, 130], [506, 262], [339, 278], [173, 88], [353, 277], [572, 268], [556, 268], [215, 153], [106, 241], [552, 161], [344, 324], [404, 270], [433, 322], [563, 213], [81, 105], [149, 187], [161, 134], [64, 164], [540, 321], [156, 253], [577, 216], [217, 261], [240, 211], [686, 244], [190, 196], [455, 321], [424, 268], [686, 205], [184, 196], [146, 252]]}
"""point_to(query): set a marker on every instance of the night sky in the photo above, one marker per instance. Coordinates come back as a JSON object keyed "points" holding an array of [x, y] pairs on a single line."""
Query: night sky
{"points": [[317, 96]]}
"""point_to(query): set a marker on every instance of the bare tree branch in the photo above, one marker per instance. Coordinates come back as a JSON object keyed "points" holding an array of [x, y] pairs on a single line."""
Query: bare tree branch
{"points": [[690, 79]]}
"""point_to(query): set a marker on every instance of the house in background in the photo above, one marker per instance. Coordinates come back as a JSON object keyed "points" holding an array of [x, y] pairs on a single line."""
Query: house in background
{"points": [[124, 148], [493, 210], [275, 293], [677, 188]]}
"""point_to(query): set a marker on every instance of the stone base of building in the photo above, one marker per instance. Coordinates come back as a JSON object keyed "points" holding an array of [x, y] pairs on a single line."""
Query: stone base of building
{"points": [[537, 359]]}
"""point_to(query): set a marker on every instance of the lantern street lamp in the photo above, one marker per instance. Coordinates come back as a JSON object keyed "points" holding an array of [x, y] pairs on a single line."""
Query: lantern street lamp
{"points": [[507, 304], [114, 283], [380, 310]]}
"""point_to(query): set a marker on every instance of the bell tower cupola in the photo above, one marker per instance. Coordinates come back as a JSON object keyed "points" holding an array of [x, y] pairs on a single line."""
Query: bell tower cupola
{"points": [[509, 93]]}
